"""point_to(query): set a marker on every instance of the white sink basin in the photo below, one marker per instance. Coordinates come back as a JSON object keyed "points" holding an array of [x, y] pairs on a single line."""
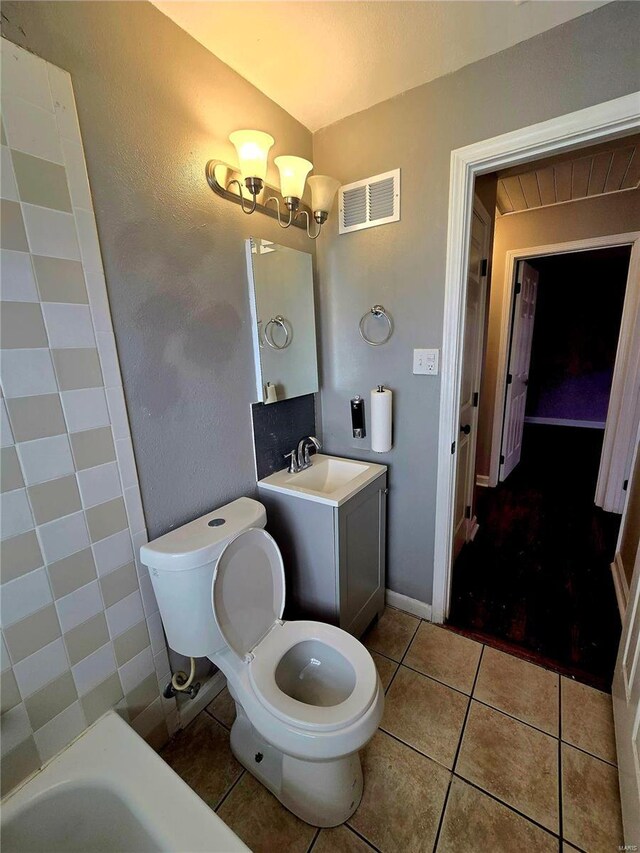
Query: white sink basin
{"points": [[327, 475], [329, 480]]}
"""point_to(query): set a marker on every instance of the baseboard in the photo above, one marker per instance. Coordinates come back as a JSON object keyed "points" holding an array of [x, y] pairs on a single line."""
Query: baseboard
{"points": [[620, 586], [482, 480], [409, 605], [206, 694], [567, 422]]}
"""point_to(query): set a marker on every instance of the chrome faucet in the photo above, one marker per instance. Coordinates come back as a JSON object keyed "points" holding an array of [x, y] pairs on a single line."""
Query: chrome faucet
{"points": [[300, 459]]}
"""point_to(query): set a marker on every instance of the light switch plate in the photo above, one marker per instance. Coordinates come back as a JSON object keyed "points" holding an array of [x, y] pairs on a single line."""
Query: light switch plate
{"points": [[425, 361]]}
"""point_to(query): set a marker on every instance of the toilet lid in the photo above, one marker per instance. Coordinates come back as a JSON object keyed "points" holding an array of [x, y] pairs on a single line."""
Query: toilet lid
{"points": [[248, 589]]}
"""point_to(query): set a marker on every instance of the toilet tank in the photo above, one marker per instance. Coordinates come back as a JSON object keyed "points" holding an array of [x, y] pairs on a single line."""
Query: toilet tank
{"points": [[181, 565]]}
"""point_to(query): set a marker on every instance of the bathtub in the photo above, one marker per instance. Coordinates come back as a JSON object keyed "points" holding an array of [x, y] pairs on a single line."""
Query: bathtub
{"points": [[110, 793]]}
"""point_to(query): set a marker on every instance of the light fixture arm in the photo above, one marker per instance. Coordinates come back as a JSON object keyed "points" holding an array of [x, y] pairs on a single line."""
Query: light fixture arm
{"points": [[277, 210], [244, 209], [308, 223]]}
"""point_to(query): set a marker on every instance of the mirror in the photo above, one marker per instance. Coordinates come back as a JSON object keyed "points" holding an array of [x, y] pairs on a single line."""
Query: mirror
{"points": [[284, 326]]}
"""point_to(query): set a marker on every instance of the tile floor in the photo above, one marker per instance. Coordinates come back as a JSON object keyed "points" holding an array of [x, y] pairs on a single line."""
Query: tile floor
{"points": [[477, 751]]}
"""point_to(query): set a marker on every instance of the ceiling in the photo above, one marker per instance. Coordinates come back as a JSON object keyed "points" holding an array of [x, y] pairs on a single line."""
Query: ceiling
{"points": [[600, 170], [323, 60]]}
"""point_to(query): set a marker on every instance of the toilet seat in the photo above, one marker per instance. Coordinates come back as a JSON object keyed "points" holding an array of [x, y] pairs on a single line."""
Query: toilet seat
{"points": [[247, 596], [283, 637]]}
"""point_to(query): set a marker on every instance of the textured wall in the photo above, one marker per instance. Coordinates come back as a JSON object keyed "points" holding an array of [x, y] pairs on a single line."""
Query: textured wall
{"points": [[154, 106], [591, 59], [579, 220], [80, 623]]}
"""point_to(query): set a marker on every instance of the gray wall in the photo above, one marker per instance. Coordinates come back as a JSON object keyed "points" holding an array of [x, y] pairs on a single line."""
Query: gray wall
{"points": [[154, 106], [591, 59]]}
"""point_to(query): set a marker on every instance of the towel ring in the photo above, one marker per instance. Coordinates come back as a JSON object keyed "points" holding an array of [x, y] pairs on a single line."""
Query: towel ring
{"points": [[278, 320], [377, 311]]}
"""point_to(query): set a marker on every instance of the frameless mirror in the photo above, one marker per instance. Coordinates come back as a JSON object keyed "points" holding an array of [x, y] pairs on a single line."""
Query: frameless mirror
{"points": [[284, 326]]}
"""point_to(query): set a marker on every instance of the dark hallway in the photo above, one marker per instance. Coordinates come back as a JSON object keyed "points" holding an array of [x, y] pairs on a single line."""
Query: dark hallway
{"points": [[536, 579]]}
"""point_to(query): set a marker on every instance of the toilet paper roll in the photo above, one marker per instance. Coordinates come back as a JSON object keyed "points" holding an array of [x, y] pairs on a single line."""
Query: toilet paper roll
{"points": [[380, 431], [272, 393]]}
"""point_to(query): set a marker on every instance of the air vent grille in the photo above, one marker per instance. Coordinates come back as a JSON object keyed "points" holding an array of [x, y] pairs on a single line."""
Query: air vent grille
{"points": [[355, 206], [372, 201]]}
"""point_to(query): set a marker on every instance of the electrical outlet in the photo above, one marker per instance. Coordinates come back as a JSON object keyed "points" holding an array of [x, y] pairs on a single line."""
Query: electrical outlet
{"points": [[425, 361]]}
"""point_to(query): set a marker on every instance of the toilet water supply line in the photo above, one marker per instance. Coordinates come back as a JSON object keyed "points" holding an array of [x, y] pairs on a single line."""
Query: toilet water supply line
{"points": [[180, 680]]}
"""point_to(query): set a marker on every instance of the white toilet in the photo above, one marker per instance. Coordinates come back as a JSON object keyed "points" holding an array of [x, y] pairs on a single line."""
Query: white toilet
{"points": [[307, 694]]}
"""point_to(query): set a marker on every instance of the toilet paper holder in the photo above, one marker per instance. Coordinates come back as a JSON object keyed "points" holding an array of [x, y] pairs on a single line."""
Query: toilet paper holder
{"points": [[376, 311]]}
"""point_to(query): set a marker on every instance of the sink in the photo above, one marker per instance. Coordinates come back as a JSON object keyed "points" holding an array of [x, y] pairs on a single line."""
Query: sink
{"points": [[327, 475], [330, 479]]}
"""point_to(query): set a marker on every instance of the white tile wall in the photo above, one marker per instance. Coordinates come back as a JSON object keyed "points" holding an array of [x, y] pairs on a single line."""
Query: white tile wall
{"points": [[40, 668], [39, 118], [9, 187], [27, 80], [27, 371], [101, 484], [24, 595], [113, 552], [136, 670], [68, 326], [85, 409], [30, 128], [6, 436], [50, 232], [94, 669], [45, 459], [79, 606], [17, 282], [125, 614], [63, 537], [14, 728], [15, 513], [60, 731]]}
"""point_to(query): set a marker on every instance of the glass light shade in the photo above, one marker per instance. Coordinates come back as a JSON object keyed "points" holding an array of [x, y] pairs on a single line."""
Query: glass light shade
{"points": [[293, 174], [253, 149], [323, 192]]}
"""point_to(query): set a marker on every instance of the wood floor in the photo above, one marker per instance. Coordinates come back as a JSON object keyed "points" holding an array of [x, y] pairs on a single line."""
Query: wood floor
{"points": [[536, 580]]}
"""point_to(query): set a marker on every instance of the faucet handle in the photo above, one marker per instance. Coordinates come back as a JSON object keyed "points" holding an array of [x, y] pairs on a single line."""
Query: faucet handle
{"points": [[293, 464]]}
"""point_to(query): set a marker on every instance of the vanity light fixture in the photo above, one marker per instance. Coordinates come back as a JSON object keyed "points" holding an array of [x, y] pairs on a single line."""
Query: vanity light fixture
{"points": [[252, 147]]}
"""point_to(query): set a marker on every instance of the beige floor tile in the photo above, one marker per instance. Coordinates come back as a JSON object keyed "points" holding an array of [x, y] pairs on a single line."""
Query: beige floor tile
{"points": [[587, 719], [590, 802], [522, 689], [444, 655], [262, 822], [201, 755], [223, 708], [425, 714], [512, 761], [476, 822], [392, 633], [340, 840], [403, 797], [386, 668]]}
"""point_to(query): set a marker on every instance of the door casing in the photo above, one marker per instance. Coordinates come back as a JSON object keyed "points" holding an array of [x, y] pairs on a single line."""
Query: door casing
{"points": [[608, 120]]}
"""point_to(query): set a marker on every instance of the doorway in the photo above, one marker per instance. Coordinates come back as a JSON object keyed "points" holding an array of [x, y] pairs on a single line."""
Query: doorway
{"points": [[537, 574]]}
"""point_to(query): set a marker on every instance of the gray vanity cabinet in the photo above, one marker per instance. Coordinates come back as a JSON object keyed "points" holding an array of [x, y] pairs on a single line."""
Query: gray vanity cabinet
{"points": [[334, 556]]}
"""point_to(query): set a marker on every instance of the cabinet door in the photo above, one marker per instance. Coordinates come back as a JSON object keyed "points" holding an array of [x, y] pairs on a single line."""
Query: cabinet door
{"points": [[360, 539]]}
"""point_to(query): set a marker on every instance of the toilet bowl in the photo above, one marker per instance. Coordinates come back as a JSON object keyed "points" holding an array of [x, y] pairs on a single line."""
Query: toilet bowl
{"points": [[307, 694]]}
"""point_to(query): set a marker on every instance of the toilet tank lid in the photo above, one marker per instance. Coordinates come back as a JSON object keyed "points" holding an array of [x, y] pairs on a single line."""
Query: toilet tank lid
{"points": [[201, 541]]}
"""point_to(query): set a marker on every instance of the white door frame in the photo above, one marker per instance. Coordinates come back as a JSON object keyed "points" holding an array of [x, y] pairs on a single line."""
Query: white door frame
{"points": [[573, 130], [627, 325]]}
